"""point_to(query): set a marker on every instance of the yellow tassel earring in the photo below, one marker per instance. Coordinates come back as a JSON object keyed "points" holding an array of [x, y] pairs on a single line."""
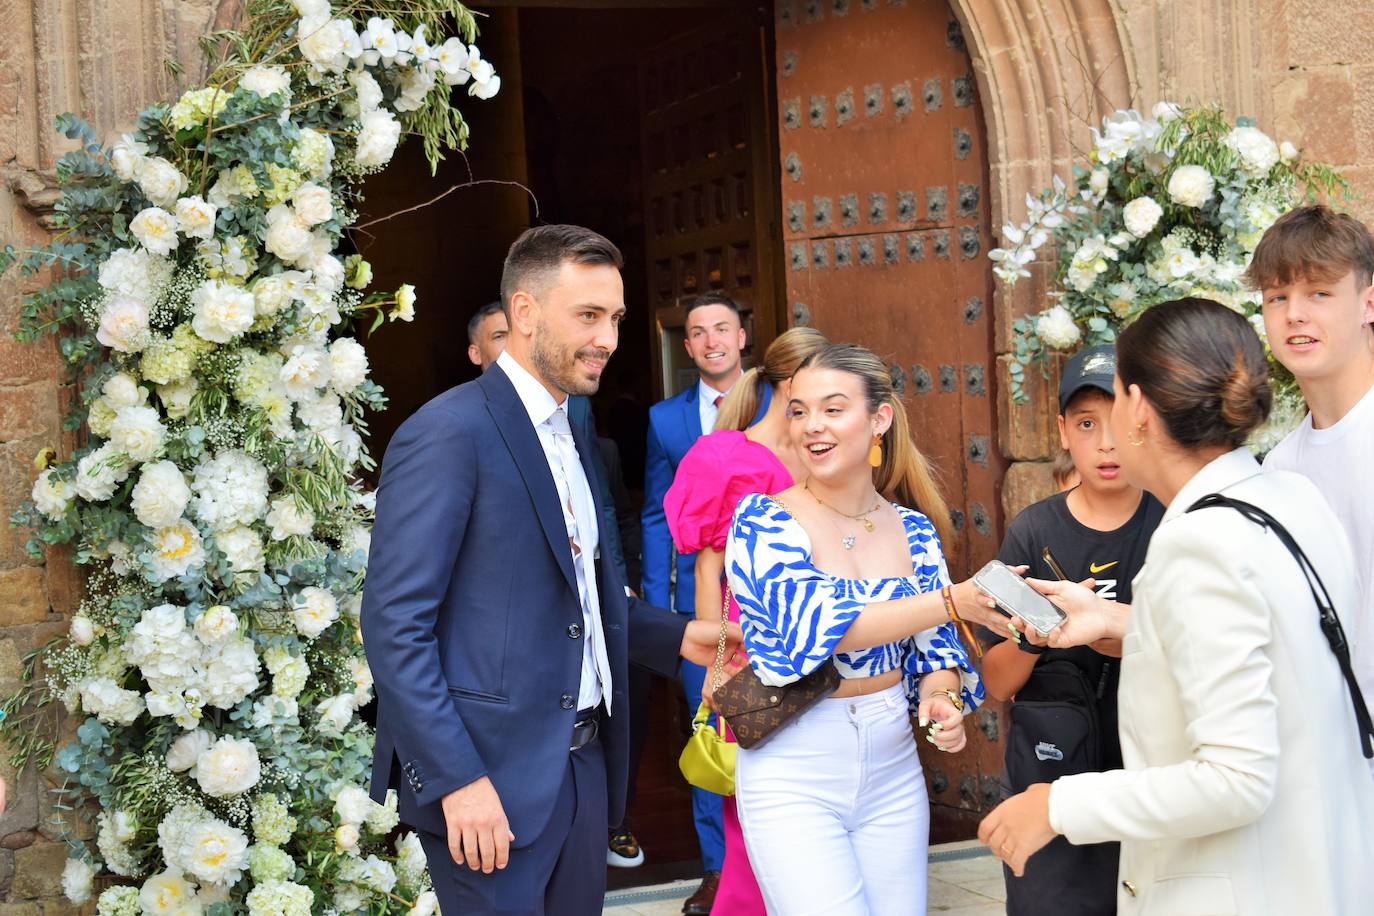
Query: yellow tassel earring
{"points": [[875, 453]]}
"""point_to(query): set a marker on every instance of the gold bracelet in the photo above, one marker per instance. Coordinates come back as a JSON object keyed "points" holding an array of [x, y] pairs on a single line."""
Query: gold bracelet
{"points": [[955, 700]]}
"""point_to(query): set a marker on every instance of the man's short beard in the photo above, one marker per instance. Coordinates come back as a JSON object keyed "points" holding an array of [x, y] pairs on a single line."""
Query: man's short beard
{"points": [[559, 368]]}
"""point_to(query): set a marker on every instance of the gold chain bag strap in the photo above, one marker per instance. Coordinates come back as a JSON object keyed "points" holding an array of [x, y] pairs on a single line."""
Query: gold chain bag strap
{"points": [[708, 760], [755, 710]]}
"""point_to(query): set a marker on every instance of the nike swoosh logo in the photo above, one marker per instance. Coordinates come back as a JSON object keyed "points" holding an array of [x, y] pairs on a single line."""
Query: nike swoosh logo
{"points": [[1095, 569]]}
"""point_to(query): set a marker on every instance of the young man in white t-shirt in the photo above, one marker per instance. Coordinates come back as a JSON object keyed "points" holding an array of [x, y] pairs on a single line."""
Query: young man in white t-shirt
{"points": [[1315, 268]]}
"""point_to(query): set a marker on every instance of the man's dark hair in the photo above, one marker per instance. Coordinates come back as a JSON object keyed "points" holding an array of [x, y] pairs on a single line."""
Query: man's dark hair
{"points": [[706, 299], [542, 250], [475, 322]]}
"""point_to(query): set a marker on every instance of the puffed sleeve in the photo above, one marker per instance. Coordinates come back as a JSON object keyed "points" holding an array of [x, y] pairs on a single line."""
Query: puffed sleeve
{"points": [[938, 647], [793, 615], [714, 475]]}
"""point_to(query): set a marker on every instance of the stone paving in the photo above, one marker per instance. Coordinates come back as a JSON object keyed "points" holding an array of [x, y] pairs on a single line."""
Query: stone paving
{"points": [[964, 881]]}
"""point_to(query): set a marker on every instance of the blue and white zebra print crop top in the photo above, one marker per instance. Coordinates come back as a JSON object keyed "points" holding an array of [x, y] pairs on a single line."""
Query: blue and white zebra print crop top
{"points": [[793, 614]]}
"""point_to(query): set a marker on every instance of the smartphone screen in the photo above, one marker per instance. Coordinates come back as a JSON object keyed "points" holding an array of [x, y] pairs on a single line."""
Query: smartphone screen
{"points": [[1016, 597]]}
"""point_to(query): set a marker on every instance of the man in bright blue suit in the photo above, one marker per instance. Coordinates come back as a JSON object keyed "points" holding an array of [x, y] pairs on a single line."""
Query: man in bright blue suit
{"points": [[715, 341], [498, 634]]}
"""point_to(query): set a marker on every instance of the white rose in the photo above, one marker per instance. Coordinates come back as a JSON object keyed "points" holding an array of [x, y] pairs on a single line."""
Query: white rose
{"points": [[124, 325], [120, 390], [161, 181], [1257, 150], [52, 495], [99, 472], [1098, 180], [274, 293], [155, 229], [377, 139], [77, 876], [427, 904], [82, 630], [287, 519], [228, 767], [186, 750], [176, 396], [1287, 151], [287, 236], [328, 44], [214, 851], [242, 547], [222, 311], [346, 837], [335, 713], [217, 623], [177, 549], [1056, 328], [127, 156], [169, 894], [266, 81], [137, 432], [1141, 216], [195, 218], [369, 92], [1191, 186], [405, 304], [312, 204], [306, 369], [347, 365], [161, 494], [313, 610], [352, 805]]}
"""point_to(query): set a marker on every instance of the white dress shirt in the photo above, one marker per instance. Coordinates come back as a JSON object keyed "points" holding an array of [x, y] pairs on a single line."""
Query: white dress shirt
{"points": [[579, 516], [706, 404]]}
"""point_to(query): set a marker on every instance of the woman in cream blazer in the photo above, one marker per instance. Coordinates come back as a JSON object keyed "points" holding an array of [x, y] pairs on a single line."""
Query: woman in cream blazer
{"points": [[1244, 790]]}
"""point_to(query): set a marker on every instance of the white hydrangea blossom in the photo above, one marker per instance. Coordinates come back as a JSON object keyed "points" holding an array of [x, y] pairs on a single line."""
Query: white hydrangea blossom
{"points": [[77, 876], [230, 489]]}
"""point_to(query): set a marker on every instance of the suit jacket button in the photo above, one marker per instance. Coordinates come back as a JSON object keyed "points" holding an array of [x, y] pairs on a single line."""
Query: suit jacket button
{"points": [[1130, 888], [566, 701], [574, 631]]}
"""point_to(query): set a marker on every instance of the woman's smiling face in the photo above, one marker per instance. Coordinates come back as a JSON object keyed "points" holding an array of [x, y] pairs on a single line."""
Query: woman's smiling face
{"points": [[831, 422]]}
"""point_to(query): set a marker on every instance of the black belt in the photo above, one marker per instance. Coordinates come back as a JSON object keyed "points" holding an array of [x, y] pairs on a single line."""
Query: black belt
{"points": [[585, 728]]}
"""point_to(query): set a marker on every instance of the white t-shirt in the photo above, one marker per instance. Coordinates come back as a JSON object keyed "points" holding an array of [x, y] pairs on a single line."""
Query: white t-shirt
{"points": [[1340, 461]]}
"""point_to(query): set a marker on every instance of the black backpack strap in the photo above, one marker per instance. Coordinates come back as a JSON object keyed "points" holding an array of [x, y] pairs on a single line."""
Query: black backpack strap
{"points": [[1330, 623]]}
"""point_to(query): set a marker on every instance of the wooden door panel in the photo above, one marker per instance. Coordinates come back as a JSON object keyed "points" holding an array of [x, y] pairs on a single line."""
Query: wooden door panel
{"points": [[885, 231]]}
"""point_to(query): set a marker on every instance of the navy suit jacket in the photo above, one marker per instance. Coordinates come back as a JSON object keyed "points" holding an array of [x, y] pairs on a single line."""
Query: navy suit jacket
{"points": [[674, 426], [471, 617]]}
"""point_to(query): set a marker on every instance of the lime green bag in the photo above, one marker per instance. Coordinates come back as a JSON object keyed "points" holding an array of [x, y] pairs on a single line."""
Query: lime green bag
{"points": [[708, 760]]}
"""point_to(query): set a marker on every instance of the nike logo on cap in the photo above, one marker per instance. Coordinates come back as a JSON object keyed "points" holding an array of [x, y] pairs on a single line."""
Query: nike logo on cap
{"points": [[1095, 569]]}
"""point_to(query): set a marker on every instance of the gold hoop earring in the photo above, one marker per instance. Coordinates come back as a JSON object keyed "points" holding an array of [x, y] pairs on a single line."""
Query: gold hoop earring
{"points": [[875, 453], [1140, 427]]}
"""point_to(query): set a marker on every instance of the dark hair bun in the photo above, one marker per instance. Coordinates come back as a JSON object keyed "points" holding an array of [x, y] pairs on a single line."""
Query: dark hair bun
{"points": [[1245, 401], [1202, 367]]}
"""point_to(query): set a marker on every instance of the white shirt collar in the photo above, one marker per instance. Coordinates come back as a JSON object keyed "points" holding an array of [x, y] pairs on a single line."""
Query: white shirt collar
{"points": [[1221, 472], [707, 394], [539, 404]]}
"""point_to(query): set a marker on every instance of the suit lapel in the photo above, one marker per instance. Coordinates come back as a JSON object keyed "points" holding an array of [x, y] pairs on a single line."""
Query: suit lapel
{"points": [[691, 418], [513, 422]]}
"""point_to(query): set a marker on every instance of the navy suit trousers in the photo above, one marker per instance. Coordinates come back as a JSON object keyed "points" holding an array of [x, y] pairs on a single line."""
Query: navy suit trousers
{"points": [[562, 873]]}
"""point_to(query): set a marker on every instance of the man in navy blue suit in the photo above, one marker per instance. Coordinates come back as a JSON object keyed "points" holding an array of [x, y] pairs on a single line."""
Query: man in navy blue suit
{"points": [[499, 635], [715, 340]]}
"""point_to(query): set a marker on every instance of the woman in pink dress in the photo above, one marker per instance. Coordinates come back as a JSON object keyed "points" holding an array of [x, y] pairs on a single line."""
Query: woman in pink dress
{"points": [[719, 470]]}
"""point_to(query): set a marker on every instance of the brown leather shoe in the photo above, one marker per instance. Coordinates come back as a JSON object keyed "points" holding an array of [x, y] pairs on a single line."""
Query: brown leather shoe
{"points": [[699, 904]]}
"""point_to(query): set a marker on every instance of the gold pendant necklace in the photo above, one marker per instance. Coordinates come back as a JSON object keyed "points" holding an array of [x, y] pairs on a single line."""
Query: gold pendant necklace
{"points": [[848, 540]]}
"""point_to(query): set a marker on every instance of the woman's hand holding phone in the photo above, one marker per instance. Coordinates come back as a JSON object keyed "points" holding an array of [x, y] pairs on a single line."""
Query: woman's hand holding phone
{"points": [[1088, 618]]}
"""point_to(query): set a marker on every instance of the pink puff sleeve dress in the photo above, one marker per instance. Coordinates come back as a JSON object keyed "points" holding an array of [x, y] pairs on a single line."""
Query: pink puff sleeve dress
{"points": [[715, 474]]}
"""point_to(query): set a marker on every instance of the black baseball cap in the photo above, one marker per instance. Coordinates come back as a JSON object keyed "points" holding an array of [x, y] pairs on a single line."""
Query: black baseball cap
{"points": [[1091, 367]]}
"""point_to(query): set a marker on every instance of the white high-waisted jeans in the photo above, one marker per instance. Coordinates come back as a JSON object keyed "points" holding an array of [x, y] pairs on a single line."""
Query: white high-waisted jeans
{"points": [[835, 813]]}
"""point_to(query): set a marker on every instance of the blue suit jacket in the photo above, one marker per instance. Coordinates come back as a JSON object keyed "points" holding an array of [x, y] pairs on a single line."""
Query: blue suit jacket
{"points": [[674, 425], [469, 613]]}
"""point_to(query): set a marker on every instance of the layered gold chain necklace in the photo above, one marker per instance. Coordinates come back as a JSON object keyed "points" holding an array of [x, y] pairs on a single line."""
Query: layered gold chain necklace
{"points": [[848, 540]]}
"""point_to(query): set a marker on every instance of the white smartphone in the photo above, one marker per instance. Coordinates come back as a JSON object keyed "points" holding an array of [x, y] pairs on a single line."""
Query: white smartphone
{"points": [[1016, 597]]}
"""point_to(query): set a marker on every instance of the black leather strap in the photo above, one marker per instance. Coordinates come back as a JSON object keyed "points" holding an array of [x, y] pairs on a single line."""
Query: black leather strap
{"points": [[1330, 622]]}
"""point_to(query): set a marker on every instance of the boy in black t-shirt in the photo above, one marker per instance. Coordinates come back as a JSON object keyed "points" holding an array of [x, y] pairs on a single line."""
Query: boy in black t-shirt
{"points": [[1063, 718]]}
